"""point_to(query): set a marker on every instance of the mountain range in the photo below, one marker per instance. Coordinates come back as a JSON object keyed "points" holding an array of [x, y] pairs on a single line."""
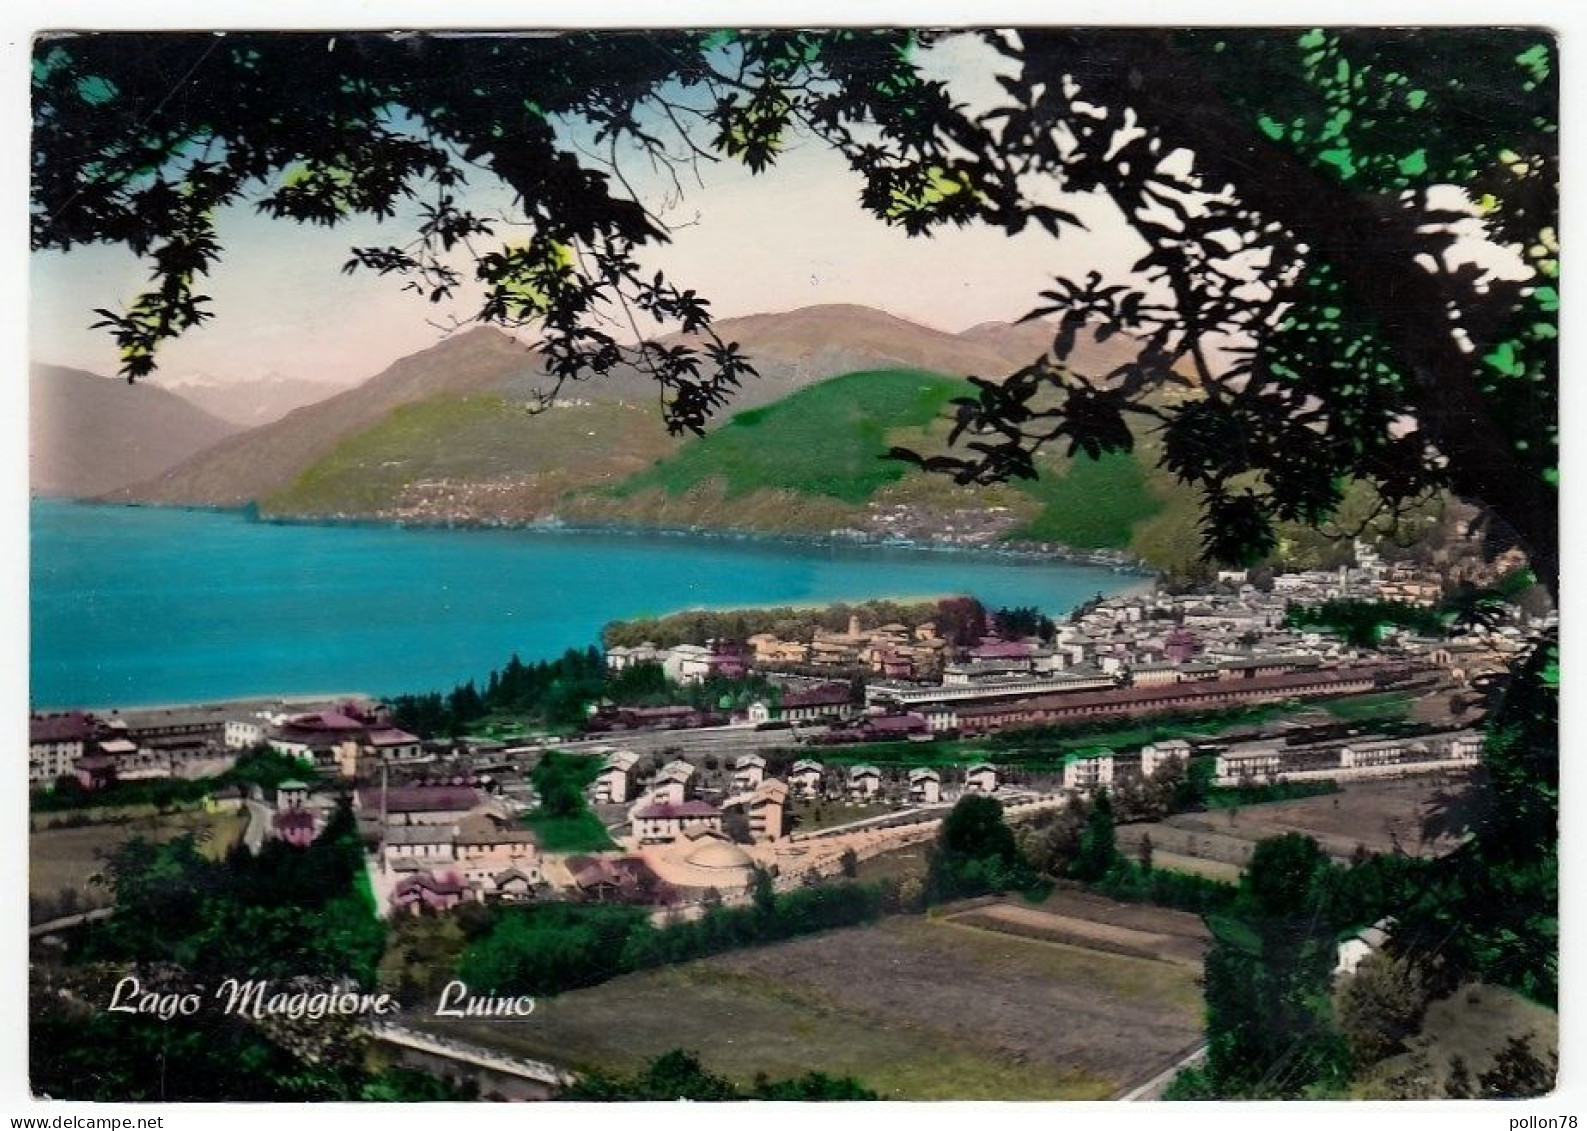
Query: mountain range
{"points": [[790, 351], [90, 435], [250, 403], [445, 435]]}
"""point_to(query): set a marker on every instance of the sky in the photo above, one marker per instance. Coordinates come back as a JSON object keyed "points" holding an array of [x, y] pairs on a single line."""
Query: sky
{"points": [[794, 236]]}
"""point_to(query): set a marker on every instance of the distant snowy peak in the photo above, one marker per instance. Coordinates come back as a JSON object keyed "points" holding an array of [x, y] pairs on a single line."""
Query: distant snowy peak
{"points": [[250, 401]]}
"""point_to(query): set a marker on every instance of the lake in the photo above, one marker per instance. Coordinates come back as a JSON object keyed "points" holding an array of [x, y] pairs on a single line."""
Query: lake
{"points": [[144, 605]]}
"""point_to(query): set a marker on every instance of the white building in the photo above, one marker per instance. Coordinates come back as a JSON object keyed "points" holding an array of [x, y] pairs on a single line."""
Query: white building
{"points": [[407, 848], [925, 786], [1377, 752], [1465, 746], [55, 743], [1249, 762], [251, 730], [864, 782], [1356, 949], [664, 822], [748, 772], [1089, 771], [674, 784], [687, 663], [980, 778], [806, 777], [620, 658]]}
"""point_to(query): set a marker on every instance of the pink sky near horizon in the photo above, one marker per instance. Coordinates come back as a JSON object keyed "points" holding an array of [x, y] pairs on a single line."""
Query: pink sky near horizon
{"points": [[792, 237]]}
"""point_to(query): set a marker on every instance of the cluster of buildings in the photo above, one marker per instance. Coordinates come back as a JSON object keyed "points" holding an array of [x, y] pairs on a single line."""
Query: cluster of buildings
{"points": [[343, 738], [1157, 652], [135, 745], [1134, 654], [1370, 756], [446, 832], [669, 807], [892, 650]]}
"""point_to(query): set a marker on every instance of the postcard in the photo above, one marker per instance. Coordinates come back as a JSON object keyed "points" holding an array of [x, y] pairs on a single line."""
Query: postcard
{"points": [[826, 564]]}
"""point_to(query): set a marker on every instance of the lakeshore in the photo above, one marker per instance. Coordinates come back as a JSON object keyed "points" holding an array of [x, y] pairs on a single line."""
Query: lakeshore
{"points": [[141, 605], [1040, 553]]}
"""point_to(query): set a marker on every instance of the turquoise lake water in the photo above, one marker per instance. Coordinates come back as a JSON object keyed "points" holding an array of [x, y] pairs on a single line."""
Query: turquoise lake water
{"points": [[140, 605]]}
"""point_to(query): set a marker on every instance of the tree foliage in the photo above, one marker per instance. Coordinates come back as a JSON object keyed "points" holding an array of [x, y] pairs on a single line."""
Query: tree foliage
{"points": [[975, 853], [1299, 272], [679, 1075]]}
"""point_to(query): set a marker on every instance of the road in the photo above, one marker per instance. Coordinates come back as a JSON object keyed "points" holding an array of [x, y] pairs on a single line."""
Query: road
{"points": [[695, 743], [1154, 1088], [258, 825], [66, 921], [545, 1077]]}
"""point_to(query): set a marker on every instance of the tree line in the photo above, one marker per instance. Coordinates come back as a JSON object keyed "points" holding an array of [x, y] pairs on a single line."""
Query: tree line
{"points": [[299, 917], [559, 693]]}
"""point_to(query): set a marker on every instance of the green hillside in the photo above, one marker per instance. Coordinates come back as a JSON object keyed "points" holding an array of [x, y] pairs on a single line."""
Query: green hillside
{"points": [[1090, 504], [824, 440], [827, 442], [810, 463], [475, 457]]}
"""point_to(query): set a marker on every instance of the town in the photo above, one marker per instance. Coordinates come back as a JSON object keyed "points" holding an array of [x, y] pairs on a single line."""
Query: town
{"points": [[691, 801], [737, 770]]}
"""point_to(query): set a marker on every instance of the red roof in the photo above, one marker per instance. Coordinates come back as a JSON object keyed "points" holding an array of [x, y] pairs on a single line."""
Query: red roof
{"points": [[73, 726], [441, 885], [1001, 650], [391, 736], [895, 724], [1145, 697], [683, 809], [827, 695], [419, 799], [325, 720]]}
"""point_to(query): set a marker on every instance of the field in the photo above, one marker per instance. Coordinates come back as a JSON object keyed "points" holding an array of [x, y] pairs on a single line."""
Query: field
{"points": [[816, 458], [63, 858], [916, 1008], [1070, 513], [581, 832], [1381, 816], [569, 825], [1081, 919], [808, 816], [1371, 708]]}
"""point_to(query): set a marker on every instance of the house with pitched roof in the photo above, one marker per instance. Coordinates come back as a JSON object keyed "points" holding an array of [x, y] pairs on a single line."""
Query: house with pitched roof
{"points": [[981, 778], [674, 784], [806, 777], [925, 786], [865, 782], [768, 809], [748, 772], [614, 783], [661, 822], [418, 804]]}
